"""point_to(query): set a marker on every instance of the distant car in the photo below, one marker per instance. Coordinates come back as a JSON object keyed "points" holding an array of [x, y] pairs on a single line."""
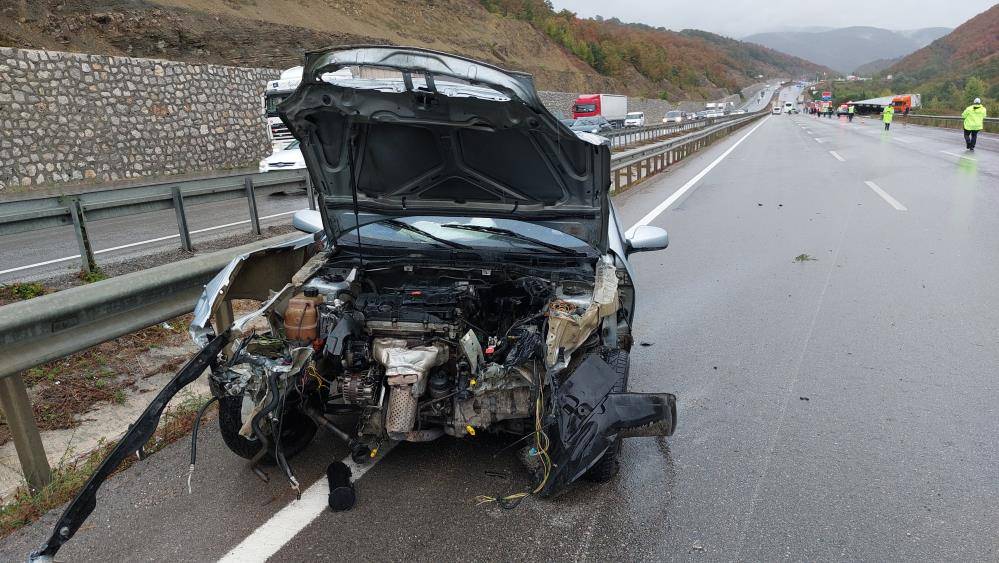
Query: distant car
{"points": [[288, 158], [775, 110], [702, 114], [673, 117], [596, 124], [634, 119], [843, 110], [738, 112], [708, 113]]}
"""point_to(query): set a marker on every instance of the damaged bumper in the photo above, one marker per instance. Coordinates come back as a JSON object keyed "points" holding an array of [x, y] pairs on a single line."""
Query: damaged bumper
{"points": [[588, 417]]}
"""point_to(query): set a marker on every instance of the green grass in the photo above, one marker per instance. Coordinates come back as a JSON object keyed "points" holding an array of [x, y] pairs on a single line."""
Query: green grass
{"points": [[804, 258], [93, 276], [24, 291]]}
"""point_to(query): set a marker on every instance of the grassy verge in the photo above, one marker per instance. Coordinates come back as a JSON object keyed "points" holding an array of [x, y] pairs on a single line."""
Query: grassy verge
{"points": [[26, 506], [66, 388]]}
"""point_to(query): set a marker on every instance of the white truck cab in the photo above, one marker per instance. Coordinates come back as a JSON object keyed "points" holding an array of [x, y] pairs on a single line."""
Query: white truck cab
{"points": [[274, 93]]}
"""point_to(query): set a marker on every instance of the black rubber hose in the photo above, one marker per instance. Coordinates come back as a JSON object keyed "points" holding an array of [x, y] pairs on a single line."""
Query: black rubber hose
{"points": [[278, 454], [197, 425], [255, 422]]}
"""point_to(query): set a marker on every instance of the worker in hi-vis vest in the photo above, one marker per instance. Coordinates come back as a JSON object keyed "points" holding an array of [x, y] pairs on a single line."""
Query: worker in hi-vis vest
{"points": [[849, 111], [974, 121], [887, 115]]}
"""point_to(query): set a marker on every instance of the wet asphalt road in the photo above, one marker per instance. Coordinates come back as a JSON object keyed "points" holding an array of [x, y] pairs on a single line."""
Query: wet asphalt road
{"points": [[843, 407]]}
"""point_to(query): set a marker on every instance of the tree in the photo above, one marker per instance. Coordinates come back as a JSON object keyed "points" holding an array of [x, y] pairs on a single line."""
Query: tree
{"points": [[974, 87]]}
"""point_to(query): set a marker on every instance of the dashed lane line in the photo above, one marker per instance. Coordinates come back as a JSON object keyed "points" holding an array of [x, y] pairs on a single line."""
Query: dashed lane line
{"points": [[838, 157], [886, 196], [960, 156]]}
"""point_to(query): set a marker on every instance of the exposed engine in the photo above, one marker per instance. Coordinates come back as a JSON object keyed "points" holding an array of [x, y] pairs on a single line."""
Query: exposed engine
{"points": [[417, 354]]}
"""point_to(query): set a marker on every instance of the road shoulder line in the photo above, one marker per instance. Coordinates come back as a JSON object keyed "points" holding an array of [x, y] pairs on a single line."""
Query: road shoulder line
{"points": [[651, 215], [286, 523]]}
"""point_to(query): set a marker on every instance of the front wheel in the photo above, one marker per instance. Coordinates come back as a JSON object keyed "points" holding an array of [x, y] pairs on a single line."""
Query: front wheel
{"points": [[297, 429]]}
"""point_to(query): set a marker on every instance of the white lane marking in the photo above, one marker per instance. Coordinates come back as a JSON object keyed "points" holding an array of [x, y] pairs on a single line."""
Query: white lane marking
{"points": [[901, 140], [276, 532], [140, 243], [960, 156], [838, 157], [819, 140], [885, 196], [651, 215]]}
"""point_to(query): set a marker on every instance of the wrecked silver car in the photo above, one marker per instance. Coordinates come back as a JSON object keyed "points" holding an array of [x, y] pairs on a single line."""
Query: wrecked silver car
{"points": [[467, 274]]}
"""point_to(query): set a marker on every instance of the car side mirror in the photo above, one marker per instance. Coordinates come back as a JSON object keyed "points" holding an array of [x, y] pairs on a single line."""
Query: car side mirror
{"points": [[646, 237], [307, 221]]}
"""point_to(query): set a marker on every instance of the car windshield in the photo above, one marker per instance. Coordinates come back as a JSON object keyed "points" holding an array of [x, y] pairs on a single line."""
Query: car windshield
{"points": [[585, 108], [587, 121], [635, 115], [456, 232], [672, 114]]}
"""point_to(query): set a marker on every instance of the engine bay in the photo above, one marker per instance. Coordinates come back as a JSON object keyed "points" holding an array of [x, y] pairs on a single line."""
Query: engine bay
{"points": [[415, 353]]}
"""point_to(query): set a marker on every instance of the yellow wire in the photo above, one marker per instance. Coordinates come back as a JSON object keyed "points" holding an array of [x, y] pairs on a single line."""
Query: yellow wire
{"points": [[541, 443]]}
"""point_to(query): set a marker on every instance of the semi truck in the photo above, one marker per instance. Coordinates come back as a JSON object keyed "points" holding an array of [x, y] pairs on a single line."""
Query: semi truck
{"points": [[906, 102], [612, 107], [275, 92]]}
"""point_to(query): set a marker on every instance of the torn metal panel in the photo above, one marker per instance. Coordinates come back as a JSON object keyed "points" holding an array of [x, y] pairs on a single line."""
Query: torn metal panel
{"points": [[249, 276], [568, 328]]}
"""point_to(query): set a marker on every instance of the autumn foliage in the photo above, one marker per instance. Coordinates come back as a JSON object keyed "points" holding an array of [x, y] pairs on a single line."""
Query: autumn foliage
{"points": [[678, 63], [955, 69]]}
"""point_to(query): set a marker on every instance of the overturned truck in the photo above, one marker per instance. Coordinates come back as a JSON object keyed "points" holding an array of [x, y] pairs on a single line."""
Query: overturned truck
{"points": [[467, 273]]}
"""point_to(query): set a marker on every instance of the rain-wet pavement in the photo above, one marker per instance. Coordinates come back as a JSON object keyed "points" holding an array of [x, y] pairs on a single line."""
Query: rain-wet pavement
{"points": [[841, 406]]}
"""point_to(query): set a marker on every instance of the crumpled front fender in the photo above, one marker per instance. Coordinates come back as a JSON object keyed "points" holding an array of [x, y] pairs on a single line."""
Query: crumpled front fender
{"points": [[253, 275]]}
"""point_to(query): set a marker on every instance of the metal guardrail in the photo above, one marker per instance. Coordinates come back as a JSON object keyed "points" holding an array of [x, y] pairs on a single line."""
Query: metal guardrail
{"points": [[649, 133], [31, 214], [951, 121], [56, 325], [631, 167], [52, 326]]}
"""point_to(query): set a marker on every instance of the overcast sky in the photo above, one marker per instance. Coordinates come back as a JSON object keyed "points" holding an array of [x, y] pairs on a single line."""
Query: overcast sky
{"points": [[738, 18]]}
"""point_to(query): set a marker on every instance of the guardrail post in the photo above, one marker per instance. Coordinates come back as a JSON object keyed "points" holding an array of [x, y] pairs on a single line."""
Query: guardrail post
{"points": [[27, 441], [87, 259], [178, 207], [251, 199], [310, 192]]}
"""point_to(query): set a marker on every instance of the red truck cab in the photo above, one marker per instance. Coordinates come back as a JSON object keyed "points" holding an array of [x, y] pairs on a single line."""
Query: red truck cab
{"points": [[587, 105]]}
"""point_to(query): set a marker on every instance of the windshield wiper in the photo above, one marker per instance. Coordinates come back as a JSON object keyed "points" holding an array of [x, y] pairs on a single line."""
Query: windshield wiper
{"points": [[515, 235], [412, 229]]}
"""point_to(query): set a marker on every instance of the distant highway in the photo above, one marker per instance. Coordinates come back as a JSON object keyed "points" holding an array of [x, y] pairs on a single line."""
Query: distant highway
{"points": [[826, 314]]}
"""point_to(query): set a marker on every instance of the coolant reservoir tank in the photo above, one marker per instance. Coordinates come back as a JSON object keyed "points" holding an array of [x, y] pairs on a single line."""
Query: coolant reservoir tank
{"points": [[301, 318]]}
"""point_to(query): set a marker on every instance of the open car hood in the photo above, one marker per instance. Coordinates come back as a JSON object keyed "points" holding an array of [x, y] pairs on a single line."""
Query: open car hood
{"points": [[418, 132]]}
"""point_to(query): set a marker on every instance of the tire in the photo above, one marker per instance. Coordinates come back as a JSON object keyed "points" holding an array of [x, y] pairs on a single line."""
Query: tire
{"points": [[608, 465], [297, 430]]}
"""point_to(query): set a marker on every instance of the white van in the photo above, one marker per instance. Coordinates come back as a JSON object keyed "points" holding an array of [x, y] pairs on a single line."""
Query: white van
{"points": [[634, 119], [776, 109]]}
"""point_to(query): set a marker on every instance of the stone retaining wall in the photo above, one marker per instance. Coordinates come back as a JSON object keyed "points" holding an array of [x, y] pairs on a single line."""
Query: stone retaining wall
{"points": [[77, 118], [68, 117]]}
